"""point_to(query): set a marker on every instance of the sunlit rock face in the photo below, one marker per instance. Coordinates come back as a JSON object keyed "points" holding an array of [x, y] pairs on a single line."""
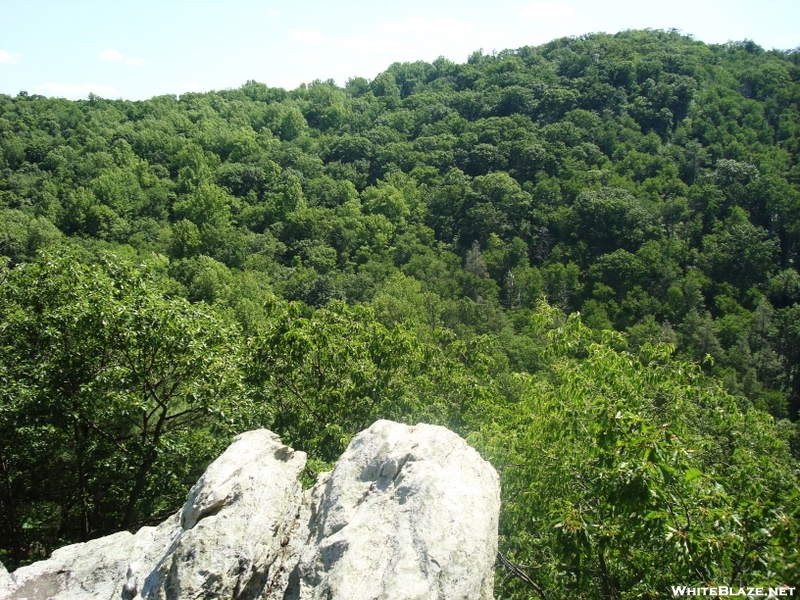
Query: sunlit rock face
{"points": [[407, 513]]}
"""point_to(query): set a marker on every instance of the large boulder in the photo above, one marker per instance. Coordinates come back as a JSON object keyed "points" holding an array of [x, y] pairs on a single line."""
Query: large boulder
{"points": [[407, 513], [223, 543]]}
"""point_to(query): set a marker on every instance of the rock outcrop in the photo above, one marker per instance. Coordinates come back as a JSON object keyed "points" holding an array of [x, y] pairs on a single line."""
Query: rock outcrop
{"points": [[407, 513]]}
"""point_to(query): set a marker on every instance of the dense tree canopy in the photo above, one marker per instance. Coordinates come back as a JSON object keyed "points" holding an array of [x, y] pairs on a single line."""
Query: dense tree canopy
{"points": [[183, 268]]}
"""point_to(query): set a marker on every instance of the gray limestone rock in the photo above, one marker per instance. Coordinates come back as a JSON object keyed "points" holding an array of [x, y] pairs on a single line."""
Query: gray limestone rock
{"points": [[407, 513], [225, 542]]}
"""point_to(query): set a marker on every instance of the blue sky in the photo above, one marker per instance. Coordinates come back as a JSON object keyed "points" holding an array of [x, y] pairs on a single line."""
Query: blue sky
{"points": [[140, 49]]}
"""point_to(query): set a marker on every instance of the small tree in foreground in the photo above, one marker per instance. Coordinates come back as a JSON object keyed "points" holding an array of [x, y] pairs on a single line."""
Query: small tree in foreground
{"points": [[110, 400], [623, 475]]}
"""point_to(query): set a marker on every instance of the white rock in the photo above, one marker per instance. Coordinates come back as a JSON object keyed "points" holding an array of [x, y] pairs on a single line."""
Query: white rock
{"points": [[408, 512], [225, 542]]}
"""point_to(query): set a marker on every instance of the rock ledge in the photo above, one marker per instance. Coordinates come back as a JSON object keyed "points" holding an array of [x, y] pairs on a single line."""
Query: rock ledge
{"points": [[407, 513]]}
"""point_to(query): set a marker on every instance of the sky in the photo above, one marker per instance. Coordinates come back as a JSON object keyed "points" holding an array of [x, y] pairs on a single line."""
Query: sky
{"points": [[136, 50]]}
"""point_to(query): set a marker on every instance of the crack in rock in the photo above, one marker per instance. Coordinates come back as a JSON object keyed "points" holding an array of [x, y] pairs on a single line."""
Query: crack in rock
{"points": [[407, 513]]}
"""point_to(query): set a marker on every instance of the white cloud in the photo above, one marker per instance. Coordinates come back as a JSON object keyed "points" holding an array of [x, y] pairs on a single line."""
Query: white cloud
{"points": [[271, 15], [420, 25], [7, 58], [114, 56], [189, 86], [546, 10], [111, 55], [411, 38], [308, 36], [80, 90], [374, 45]]}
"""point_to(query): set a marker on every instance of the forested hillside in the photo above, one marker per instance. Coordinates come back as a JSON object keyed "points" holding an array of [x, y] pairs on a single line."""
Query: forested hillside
{"points": [[418, 247]]}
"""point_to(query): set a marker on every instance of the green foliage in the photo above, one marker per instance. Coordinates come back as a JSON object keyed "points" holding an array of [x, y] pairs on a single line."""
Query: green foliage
{"points": [[114, 391], [623, 474], [312, 260], [330, 372]]}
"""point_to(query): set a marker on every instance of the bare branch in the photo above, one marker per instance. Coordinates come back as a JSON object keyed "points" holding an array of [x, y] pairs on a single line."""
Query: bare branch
{"points": [[517, 571]]}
